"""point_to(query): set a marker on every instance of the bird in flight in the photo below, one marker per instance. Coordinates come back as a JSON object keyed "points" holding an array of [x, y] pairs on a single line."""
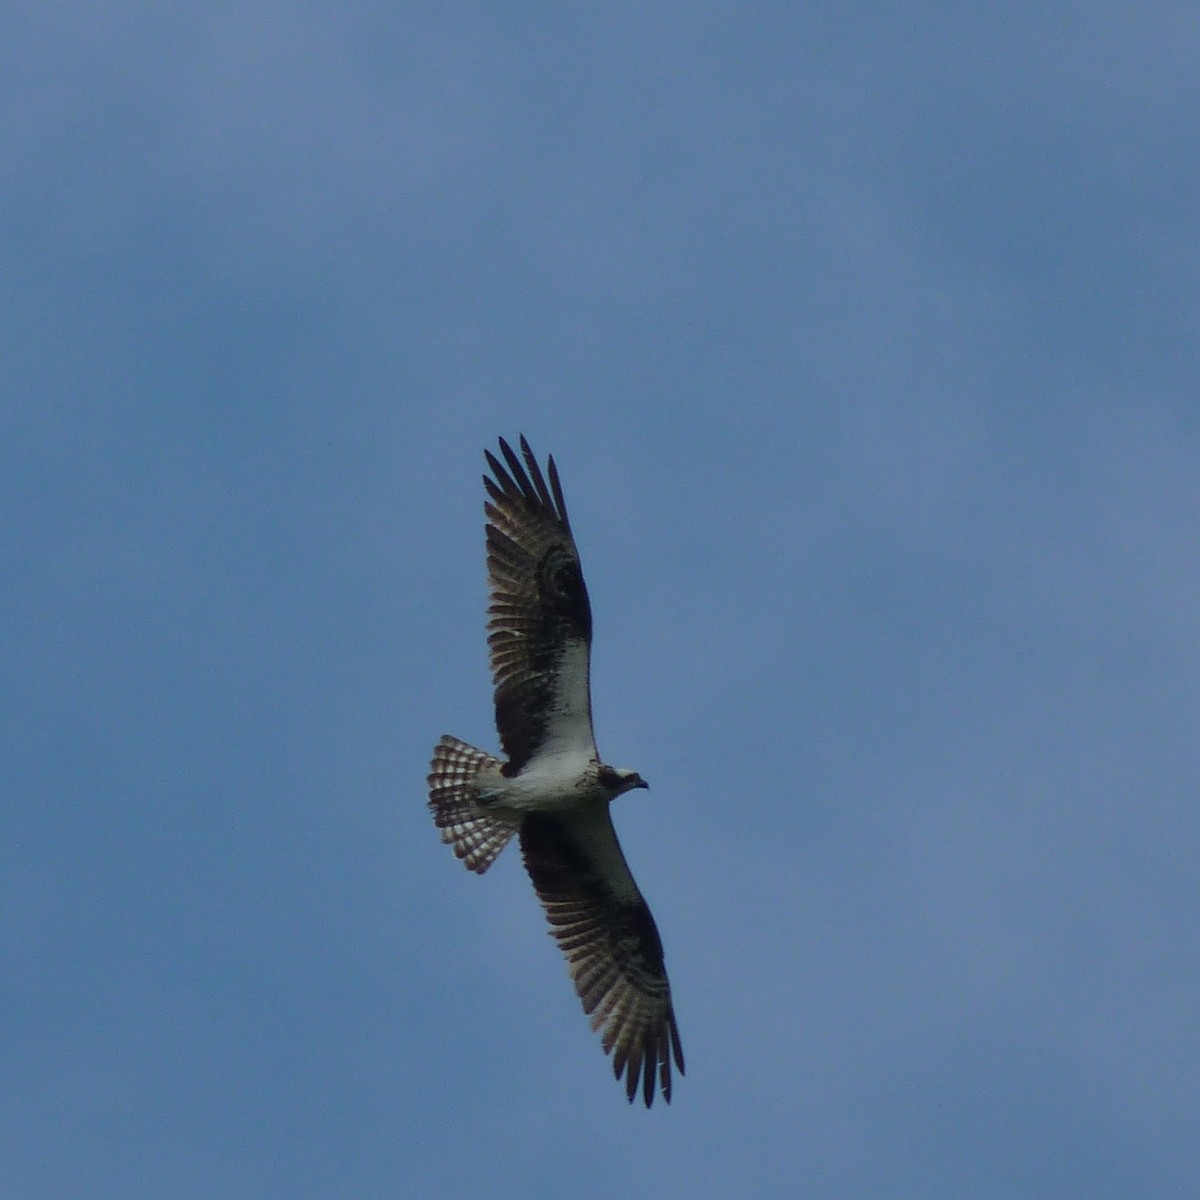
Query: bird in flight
{"points": [[553, 791]]}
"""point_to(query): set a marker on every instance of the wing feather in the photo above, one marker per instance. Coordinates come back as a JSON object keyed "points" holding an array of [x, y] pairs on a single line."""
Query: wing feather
{"points": [[539, 615], [606, 931]]}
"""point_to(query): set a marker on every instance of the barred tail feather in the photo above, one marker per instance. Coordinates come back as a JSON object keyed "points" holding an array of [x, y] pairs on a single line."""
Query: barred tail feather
{"points": [[476, 836]]}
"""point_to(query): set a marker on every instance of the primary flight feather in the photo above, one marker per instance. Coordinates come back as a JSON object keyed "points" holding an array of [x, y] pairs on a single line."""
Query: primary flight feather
{"points": [[553, 791]]}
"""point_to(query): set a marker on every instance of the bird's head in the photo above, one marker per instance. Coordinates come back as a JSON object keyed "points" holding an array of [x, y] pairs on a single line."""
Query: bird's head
{"points": [[620, 781]]}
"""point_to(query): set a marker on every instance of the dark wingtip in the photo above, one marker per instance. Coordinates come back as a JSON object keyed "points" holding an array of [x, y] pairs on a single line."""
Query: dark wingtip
{"points": [[501, 483], [526, 479], [648, 1073]]}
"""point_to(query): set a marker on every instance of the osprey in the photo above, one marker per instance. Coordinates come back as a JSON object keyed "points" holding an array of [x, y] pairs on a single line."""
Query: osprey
{"points": [[553, 791]]}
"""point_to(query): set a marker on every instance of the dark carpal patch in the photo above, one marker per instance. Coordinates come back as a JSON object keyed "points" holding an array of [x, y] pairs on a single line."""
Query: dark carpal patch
{"points": [[560, 868], [563, 597]]}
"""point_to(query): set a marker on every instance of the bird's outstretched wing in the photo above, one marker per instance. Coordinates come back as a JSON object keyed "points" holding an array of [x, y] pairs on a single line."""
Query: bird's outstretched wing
{"points": [[608, 935], [539, 618]]}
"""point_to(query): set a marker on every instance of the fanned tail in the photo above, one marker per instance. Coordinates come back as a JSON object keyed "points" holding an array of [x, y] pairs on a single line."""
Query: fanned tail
{"points": [[476, 835]]}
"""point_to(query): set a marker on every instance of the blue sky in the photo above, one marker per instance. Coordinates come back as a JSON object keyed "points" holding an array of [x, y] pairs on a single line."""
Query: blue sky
{"points": [[867, 346]]}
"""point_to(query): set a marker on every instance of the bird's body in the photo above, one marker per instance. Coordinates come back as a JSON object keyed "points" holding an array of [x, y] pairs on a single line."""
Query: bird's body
{"points": [[562, 783], [553, 791]]}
